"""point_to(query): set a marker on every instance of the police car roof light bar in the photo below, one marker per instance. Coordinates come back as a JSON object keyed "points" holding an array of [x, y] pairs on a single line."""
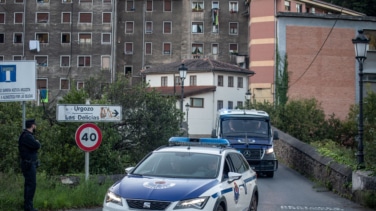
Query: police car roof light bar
{"points": [[184, 141]]}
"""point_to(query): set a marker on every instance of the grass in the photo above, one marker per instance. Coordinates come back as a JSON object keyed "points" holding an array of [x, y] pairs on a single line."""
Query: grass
{"points": [[51, 194]]}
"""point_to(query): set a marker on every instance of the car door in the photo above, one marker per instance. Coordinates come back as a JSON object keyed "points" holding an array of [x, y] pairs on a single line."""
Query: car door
{"points": [[242, 186]]}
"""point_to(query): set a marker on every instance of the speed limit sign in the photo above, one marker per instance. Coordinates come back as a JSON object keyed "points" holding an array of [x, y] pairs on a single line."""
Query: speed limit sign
{"points": [[88, 137]]}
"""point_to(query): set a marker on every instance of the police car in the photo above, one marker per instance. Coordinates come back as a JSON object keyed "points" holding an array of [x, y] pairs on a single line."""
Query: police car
{"points": [[189, 174]]}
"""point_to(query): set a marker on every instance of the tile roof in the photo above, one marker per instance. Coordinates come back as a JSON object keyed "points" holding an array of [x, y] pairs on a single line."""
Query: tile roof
{"points": [[188, 90], [198, 65]]}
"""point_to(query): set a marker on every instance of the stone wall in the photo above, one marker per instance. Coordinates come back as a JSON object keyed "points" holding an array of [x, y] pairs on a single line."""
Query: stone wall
{"points": [[336, 177]]}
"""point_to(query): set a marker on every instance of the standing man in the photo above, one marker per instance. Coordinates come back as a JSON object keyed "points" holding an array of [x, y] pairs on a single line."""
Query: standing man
{"points": [[28, 148]]}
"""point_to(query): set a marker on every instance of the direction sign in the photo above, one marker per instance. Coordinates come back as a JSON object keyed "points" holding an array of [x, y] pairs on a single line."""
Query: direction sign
{"points": [[88, 137], [18, 81], [88, 113]]}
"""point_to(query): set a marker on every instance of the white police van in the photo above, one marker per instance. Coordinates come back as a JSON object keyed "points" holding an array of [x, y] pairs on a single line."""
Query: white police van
{"points": [[189, 174]]}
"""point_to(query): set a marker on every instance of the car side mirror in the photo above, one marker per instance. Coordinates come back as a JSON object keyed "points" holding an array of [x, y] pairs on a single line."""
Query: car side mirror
{"points": [[129, 169], [232, 176]]}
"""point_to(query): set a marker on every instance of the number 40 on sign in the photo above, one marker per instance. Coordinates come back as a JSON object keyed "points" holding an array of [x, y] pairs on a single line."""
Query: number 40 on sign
{"points": [[88, 137]]}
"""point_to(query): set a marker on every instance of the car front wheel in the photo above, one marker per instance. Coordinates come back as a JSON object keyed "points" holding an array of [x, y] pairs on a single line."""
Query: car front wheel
{"points": [[220, 208], [253, 204]]}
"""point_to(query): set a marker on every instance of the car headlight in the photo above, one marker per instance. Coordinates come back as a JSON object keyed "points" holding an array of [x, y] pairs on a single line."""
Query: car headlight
{"points": [[113, 198], [197, 203], [269, 150]]}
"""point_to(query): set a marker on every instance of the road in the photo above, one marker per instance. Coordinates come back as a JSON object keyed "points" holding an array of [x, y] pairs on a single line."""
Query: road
{"points": [[288, 190]]}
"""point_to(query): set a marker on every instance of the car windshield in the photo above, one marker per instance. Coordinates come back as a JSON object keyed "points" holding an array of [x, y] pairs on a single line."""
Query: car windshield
{"points": [[254, 127], [179, 165]]}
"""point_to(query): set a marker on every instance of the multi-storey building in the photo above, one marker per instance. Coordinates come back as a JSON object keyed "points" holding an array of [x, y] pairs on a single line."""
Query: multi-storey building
{"points": [[70, 40]]}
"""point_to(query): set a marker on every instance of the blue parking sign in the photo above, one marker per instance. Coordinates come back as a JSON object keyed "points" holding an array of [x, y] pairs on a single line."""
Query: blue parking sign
{"points": [[7, 73]]}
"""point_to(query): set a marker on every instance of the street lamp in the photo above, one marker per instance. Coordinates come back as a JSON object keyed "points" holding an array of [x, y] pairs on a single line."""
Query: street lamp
{"points": [[183, 74], [248, 97], [187, 109], [361, 46]]}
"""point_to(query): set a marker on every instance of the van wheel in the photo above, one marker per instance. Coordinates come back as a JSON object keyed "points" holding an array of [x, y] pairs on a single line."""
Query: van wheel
{"points": [[270, 174]]}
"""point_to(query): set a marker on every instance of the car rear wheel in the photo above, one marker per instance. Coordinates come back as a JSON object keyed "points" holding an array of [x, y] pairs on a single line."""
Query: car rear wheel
{"points": [[220, 208], [253, 204]]}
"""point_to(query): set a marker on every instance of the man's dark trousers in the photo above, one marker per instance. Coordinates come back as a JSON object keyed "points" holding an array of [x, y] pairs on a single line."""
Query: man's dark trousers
{"points": [[29, 171]]}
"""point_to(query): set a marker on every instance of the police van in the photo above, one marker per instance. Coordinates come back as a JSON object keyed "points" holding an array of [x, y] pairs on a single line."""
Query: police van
{"points": [[188, 174], [250, 132]]}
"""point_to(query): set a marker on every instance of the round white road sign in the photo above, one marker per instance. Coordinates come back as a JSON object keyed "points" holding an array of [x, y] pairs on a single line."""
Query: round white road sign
{"points": [[88, 137]]}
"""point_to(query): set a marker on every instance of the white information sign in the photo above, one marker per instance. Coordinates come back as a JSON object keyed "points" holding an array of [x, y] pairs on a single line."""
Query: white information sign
{"points": [[88, 113], [17, 81]]}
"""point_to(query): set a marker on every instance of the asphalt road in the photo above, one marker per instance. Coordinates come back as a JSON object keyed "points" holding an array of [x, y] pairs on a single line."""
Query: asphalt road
{"points": [[289, 190]]}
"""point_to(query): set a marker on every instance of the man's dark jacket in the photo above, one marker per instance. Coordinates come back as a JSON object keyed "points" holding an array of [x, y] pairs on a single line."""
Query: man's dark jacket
{"points": [[28, 146]]}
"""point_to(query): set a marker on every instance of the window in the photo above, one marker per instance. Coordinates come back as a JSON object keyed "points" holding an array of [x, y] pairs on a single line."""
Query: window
{"points": [[197, 27], [129, 27], [233, 48], [106, 62], [84, 61], [197, 102], [214, 49], [148, 49], [17, 58], [42, 17], [167, 27], [106, 17], [149, 5], [197, 48], [85, 17], [193, 80], [164, 81], [18, 1], [220, 80], [2, 38], [106, 1], [197, 6], [177, 80], [233, 28], [299, 8], [219, 104], [215, 5], [167, 5], [17, 37], [240, 82], [130, 6], [65, 37], [128, 48], [313, 10], [230, 105], [2, 18], [239, 104], [64, 84], [84, 38], [42, 37], [230, 81], [42, 83], [67, 1], [80, 85], [43, 1], [2, 1], [42, 61], [287, 6], [64, 61], [215, 20], [18, 17], [86, 1], [233, 6], [66, 17], [167, 48], [106, 38], [128, 70], [148, 27]]}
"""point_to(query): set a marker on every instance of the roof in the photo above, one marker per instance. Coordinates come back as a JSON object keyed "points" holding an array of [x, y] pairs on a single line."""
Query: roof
{"points": [[188, 90], [198, 65]]}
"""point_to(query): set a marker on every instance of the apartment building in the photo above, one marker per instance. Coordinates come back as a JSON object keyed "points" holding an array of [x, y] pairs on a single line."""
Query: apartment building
{"points": [[70, 40]]}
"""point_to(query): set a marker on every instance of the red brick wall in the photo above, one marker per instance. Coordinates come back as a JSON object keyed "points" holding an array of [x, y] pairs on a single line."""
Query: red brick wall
{"points": [[331, 77]]}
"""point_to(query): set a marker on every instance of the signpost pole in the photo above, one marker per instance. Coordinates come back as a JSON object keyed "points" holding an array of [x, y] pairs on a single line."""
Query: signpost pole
{"points": [[87, 165]]}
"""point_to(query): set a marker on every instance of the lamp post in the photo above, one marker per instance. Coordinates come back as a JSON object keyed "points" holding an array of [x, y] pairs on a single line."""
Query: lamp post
{"points": [[183, 74], [361, 46], [187, 109], [248, 97]]}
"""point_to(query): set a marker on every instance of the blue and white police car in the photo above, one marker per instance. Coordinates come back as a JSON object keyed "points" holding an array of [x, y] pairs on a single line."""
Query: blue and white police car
{"points": [[189, 174]]}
